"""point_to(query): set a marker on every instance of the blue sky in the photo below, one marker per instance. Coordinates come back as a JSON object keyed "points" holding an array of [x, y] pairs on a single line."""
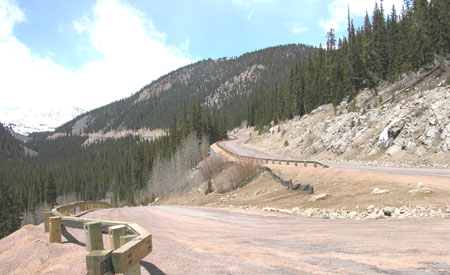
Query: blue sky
{"points": [[89, 53]]}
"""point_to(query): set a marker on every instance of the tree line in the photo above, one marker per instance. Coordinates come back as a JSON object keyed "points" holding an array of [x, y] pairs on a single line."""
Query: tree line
{"points": [[121, 168], [381, 50]]}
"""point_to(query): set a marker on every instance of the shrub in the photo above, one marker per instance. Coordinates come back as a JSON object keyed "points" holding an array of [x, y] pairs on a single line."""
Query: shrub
{"points": [[212, 166], [209, 189], [286, 143], [238, 175]]}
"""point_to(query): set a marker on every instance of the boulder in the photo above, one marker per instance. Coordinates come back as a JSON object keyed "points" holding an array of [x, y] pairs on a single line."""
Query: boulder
{"points": [[352, 214], [378, 191], [388, 211], [319, 197], [394, 149]]}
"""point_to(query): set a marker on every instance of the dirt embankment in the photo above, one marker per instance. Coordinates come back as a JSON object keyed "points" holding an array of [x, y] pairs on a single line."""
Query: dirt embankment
{"points": [[339, 193]]}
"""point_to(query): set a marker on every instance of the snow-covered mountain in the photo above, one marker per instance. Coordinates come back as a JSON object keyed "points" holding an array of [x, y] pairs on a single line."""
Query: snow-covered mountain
{"points": [[26, 121]]}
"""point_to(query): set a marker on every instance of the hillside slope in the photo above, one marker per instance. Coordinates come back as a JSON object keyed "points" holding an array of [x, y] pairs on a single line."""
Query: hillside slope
{"points": [[216, 84], [410, 129]]}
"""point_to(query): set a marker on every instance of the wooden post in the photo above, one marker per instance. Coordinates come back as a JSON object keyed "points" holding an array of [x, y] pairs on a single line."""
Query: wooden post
{"points": [[47, 215], [296, 163], [287, 162], [115, 232], [273, 162], [305, 163], [93, 260], [72, 211], [135, 269], [315, 164], [279, 162], [55, 229], [65, 212], [94, 238]]}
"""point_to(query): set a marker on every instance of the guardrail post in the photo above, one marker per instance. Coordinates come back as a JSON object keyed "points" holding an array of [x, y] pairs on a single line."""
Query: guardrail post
{"points": [[287, 162], [135, 269], [72, 211], [55, 229], [279, 162], [96, 264], [47, 215], [315, 164], [296, 163], [273, 162], [305, 164], [115, 232], [94, 238]]}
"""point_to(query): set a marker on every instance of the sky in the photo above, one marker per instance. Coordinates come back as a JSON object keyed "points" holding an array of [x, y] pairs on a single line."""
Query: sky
{"points": [[87, 53]]}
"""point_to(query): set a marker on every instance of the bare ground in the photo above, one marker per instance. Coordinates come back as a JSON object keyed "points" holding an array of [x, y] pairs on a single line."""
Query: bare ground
{"points": [[192, 240]]}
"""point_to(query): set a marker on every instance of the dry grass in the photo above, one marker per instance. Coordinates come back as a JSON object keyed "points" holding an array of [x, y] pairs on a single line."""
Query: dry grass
{"points": [[236, 176], [212, 166]]}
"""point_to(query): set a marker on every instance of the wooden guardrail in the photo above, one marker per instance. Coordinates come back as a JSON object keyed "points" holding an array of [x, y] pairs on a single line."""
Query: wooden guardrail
{"points": [[129, 242], [271, 160]]}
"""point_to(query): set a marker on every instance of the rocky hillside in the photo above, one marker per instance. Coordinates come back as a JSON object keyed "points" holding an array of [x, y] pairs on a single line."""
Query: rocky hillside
{"points": [[217, 84], [396, 126]]}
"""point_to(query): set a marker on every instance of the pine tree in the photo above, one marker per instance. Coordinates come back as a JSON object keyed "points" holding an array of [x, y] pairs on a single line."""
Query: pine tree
{"points": [[50, 190], [10, 209]]}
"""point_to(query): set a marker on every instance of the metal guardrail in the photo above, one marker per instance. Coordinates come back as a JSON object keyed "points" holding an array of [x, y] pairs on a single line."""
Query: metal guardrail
{"points": [[271, 160], [129, 241]]}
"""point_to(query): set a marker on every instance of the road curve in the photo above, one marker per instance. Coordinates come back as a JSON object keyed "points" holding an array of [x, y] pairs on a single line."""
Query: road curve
{"points": [[237, 146], [193, 240]]}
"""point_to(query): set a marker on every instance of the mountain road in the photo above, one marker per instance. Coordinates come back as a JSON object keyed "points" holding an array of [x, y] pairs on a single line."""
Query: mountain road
{"points": [[238, 146]]}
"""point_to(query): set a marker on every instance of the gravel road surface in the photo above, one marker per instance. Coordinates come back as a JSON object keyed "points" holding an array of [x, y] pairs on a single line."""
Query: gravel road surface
{"points": [[238, 147], [190, 240]]}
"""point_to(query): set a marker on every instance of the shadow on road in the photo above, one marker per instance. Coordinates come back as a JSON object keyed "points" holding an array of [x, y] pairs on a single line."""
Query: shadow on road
{"points": [[152, 269], [70, 238]]}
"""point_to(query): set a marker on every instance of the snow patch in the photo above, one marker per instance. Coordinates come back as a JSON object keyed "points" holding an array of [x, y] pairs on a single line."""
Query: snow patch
{"points": [[384, 136], [26, 121]]}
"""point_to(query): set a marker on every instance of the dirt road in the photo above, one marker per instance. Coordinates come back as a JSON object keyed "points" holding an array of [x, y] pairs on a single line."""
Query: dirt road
{"points": [[193, 240], [189, 240], [238, 147]]}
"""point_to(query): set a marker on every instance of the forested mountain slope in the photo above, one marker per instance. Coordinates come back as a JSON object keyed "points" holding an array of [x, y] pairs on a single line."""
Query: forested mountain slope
{"points": [[216, 84], [10, 147]]}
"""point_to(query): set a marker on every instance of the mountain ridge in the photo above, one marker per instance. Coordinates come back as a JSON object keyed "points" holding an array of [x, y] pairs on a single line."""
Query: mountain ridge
{"points": [[216, 84]]}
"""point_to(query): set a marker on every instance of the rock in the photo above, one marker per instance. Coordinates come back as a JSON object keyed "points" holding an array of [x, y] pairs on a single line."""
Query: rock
{"points": [[308, 212], [426, 190], [352, 214], [370, 208], [388, 211], [285, 211], [376, 215], [378, 191], [421, 188], [270, 209], [394, 149], [411, 145], [319, 197]]}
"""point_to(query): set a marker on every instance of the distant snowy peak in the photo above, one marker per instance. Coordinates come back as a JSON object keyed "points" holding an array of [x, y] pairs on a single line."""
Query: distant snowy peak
{"points": [[26, 121]]}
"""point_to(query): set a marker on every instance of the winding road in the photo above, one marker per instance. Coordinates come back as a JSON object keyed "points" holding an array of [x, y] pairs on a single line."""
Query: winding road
{"points": [[237, 146]]}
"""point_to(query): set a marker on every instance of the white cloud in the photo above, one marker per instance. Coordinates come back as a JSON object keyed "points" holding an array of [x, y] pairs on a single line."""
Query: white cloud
{"points": [[297, 28], [134, 53], [249, 3], [338, 11]]}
